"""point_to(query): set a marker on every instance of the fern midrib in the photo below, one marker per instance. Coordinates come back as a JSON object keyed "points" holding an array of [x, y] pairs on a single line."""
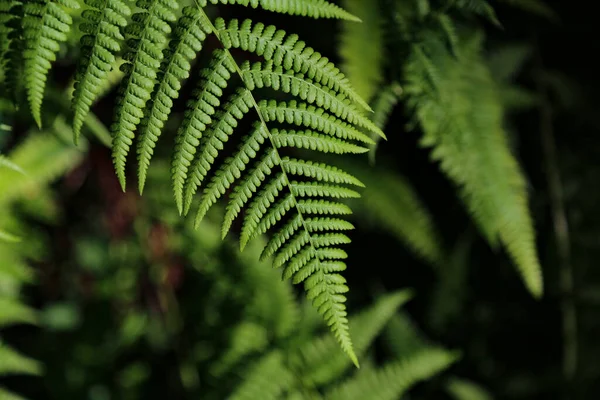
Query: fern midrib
{"points": [[276, 151]]}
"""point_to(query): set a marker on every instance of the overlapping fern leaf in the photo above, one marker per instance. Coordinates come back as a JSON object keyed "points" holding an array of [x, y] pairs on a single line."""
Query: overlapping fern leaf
{"points": [[100, 44], [458, 107], [298, 199], [294, 197], [46, 24]]}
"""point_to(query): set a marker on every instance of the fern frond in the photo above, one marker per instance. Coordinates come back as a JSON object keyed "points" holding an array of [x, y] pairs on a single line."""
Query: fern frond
{"points": [[394, 379], [304, 115], [323, 362], [198, 117], [267, 379], [457, 104], [99, 46], [307, 8], [45, 24], [261, 75], [11, 48], [392, 203], [362, 47], [190, 33], [148, 36], [285, 50]]}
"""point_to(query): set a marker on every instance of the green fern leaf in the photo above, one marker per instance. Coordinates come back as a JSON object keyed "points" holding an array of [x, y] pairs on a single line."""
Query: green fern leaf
{"points": [[307, 8], [267, 379], [362, 47], [198, 117], [272, 44], [189, 36], [394, 379], [392, 204], [148, 35], [45, 25], [100, 44], [265, 74], [459, 109], [323, 362], [11, 48]]}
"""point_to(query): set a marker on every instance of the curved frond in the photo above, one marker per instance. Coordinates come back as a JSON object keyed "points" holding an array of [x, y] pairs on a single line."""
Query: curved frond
{"points": [[199, 115], [189, 35], [392, 204], [458, 107], [394, 379], [307, 8], [267, 379], [99, 46], [45, 24], [286, 50], [147, 38], [323, 362]]}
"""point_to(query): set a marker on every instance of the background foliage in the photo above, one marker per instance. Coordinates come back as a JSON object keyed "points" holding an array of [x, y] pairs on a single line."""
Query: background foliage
{"points": [[125, 300]]}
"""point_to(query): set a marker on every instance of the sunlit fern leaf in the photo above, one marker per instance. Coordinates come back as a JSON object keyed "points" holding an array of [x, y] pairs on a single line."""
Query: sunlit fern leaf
{"points": [[46, 23], [147, 38], [321, 360], [300, 85], [307, 8], [393, 380], [383, 105], [285, 50], [267, 379], [457, 105], [362, 47], [99, 46], [189, 35], [199, 115]]}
